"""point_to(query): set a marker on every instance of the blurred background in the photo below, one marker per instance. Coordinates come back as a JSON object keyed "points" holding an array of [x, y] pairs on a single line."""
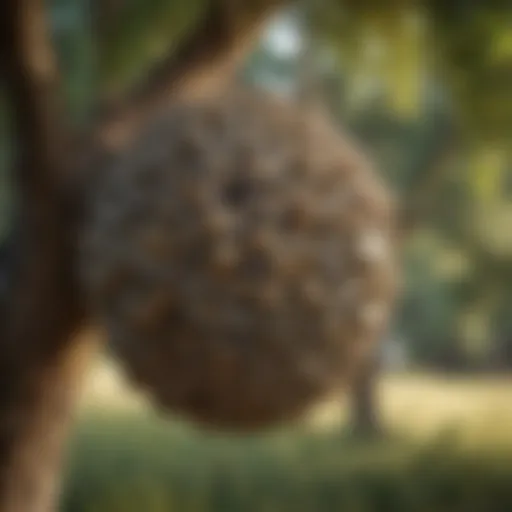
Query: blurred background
{"points": [[426, 87]]}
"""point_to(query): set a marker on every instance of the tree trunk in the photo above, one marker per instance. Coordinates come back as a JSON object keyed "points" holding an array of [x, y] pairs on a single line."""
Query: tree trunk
{"points": [[41, 311], [366, 420], [39, 365], [36, 409]]}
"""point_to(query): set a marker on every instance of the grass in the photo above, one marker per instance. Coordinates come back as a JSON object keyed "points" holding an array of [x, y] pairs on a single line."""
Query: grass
{"points": [[417, 405], [451, 451]]}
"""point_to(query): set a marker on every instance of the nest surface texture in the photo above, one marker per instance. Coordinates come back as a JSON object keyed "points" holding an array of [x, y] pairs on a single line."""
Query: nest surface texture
{"points": [[240, 254]]}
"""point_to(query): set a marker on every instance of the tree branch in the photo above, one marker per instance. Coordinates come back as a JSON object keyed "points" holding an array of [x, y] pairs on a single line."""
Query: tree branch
{"points": [[205, 59]]}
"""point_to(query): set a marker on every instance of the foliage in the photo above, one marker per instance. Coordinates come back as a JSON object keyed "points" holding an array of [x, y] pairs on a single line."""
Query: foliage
{"points": [[394, 77], [405, 76]]}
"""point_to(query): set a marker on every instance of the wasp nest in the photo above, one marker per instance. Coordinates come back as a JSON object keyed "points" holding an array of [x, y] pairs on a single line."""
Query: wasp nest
{"points": [[240, 254]]}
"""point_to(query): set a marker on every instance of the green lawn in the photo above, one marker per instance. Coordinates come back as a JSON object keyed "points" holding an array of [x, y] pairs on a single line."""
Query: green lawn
{"points": [[451, 450]]}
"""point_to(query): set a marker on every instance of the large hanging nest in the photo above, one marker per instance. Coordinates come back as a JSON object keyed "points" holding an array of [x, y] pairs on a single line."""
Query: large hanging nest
{"points": [[240, 255]]}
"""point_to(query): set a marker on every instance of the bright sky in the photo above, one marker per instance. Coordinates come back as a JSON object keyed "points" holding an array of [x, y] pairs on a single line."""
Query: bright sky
{"points": [[283, 37]]}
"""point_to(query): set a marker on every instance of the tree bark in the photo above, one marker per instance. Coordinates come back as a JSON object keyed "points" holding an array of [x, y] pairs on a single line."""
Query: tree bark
{"points": [[42, 311], [39, 363], [203, 62], [366, 418]]}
